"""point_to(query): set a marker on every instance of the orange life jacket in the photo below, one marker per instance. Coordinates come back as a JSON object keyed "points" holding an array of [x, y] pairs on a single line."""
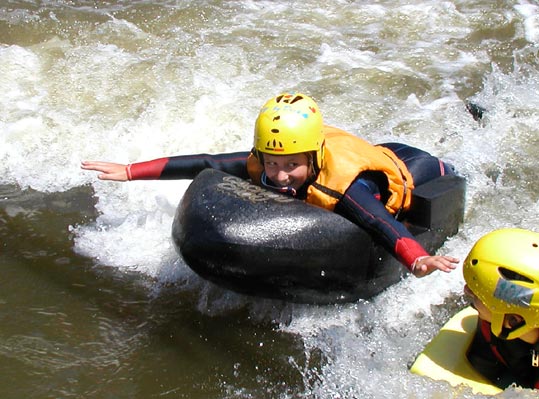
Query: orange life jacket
{"points": [[345, 157]]}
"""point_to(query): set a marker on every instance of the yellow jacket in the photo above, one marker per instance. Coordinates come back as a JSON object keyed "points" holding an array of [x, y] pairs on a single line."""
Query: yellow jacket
{"points": [[345, 157]]}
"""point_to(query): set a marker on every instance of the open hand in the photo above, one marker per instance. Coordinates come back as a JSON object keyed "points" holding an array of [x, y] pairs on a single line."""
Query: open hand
{"points": [[428, 264], [110, 170]]}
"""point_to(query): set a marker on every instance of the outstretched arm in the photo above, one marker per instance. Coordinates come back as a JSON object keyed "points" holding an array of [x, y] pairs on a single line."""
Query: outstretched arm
{"points": [[109, 170], [361, 205], [177, 167]]}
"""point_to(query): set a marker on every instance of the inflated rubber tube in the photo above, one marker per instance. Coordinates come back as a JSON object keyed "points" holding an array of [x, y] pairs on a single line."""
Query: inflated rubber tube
{"points": [[257, 242]]}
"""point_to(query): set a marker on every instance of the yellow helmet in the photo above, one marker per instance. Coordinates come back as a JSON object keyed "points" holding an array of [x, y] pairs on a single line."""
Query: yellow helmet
{"points": [[290, 123], [502, 270]]}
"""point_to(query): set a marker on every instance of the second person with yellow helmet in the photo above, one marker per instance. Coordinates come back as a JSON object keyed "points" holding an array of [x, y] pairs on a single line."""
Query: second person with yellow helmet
{"points": [[295, 153]]}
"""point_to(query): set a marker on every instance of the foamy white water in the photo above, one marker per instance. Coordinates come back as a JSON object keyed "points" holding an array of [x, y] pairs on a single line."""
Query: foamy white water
{"points": [[133, 82]]}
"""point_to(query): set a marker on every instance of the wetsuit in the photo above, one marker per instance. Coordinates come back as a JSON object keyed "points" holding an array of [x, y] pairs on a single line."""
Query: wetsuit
{"points": [[504, 362], [362, 203]]}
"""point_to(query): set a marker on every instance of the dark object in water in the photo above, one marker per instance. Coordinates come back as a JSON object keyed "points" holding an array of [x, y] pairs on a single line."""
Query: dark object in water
{"points": [[476, 110], [257, 242]]}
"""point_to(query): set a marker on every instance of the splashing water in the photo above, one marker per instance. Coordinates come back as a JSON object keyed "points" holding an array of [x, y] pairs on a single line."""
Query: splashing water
{"points": [[132, 82]]}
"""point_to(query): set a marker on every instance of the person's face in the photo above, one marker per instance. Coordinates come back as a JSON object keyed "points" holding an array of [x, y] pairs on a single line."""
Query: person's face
{"points": [[510, 320], [287, 170]]}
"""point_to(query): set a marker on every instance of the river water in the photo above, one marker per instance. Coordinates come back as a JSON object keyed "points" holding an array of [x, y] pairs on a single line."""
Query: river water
{"points": [[94, 301]]}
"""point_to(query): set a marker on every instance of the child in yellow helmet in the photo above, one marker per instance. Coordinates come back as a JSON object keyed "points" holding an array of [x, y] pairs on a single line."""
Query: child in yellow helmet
{"points": [[502, 279], [295, 153]]}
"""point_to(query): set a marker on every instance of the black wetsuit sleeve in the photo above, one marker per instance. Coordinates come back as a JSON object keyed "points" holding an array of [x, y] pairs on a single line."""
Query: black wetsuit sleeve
{"points": [[361, 205], [188, 166]]}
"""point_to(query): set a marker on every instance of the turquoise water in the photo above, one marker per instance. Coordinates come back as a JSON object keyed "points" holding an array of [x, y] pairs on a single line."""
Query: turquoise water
{"points": [[95, 302]]}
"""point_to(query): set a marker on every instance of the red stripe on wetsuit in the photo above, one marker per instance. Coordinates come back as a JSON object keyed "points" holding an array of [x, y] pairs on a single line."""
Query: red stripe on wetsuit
{"points": [[485, 330], [149, 170]]}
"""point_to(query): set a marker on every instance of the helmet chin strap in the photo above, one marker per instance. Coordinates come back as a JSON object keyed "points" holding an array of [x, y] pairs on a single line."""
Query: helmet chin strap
{"points": [[501, 331], [284, 190]]}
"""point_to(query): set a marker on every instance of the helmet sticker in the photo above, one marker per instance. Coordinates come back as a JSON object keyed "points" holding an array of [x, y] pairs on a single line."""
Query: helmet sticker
{"points": [[513, 293]]}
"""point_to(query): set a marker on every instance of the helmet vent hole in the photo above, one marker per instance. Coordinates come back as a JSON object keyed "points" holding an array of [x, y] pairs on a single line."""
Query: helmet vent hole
{"points": [[512, 275], [474, 262], [297, 98], [275, 130], [279, 98], [535, 245]]}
